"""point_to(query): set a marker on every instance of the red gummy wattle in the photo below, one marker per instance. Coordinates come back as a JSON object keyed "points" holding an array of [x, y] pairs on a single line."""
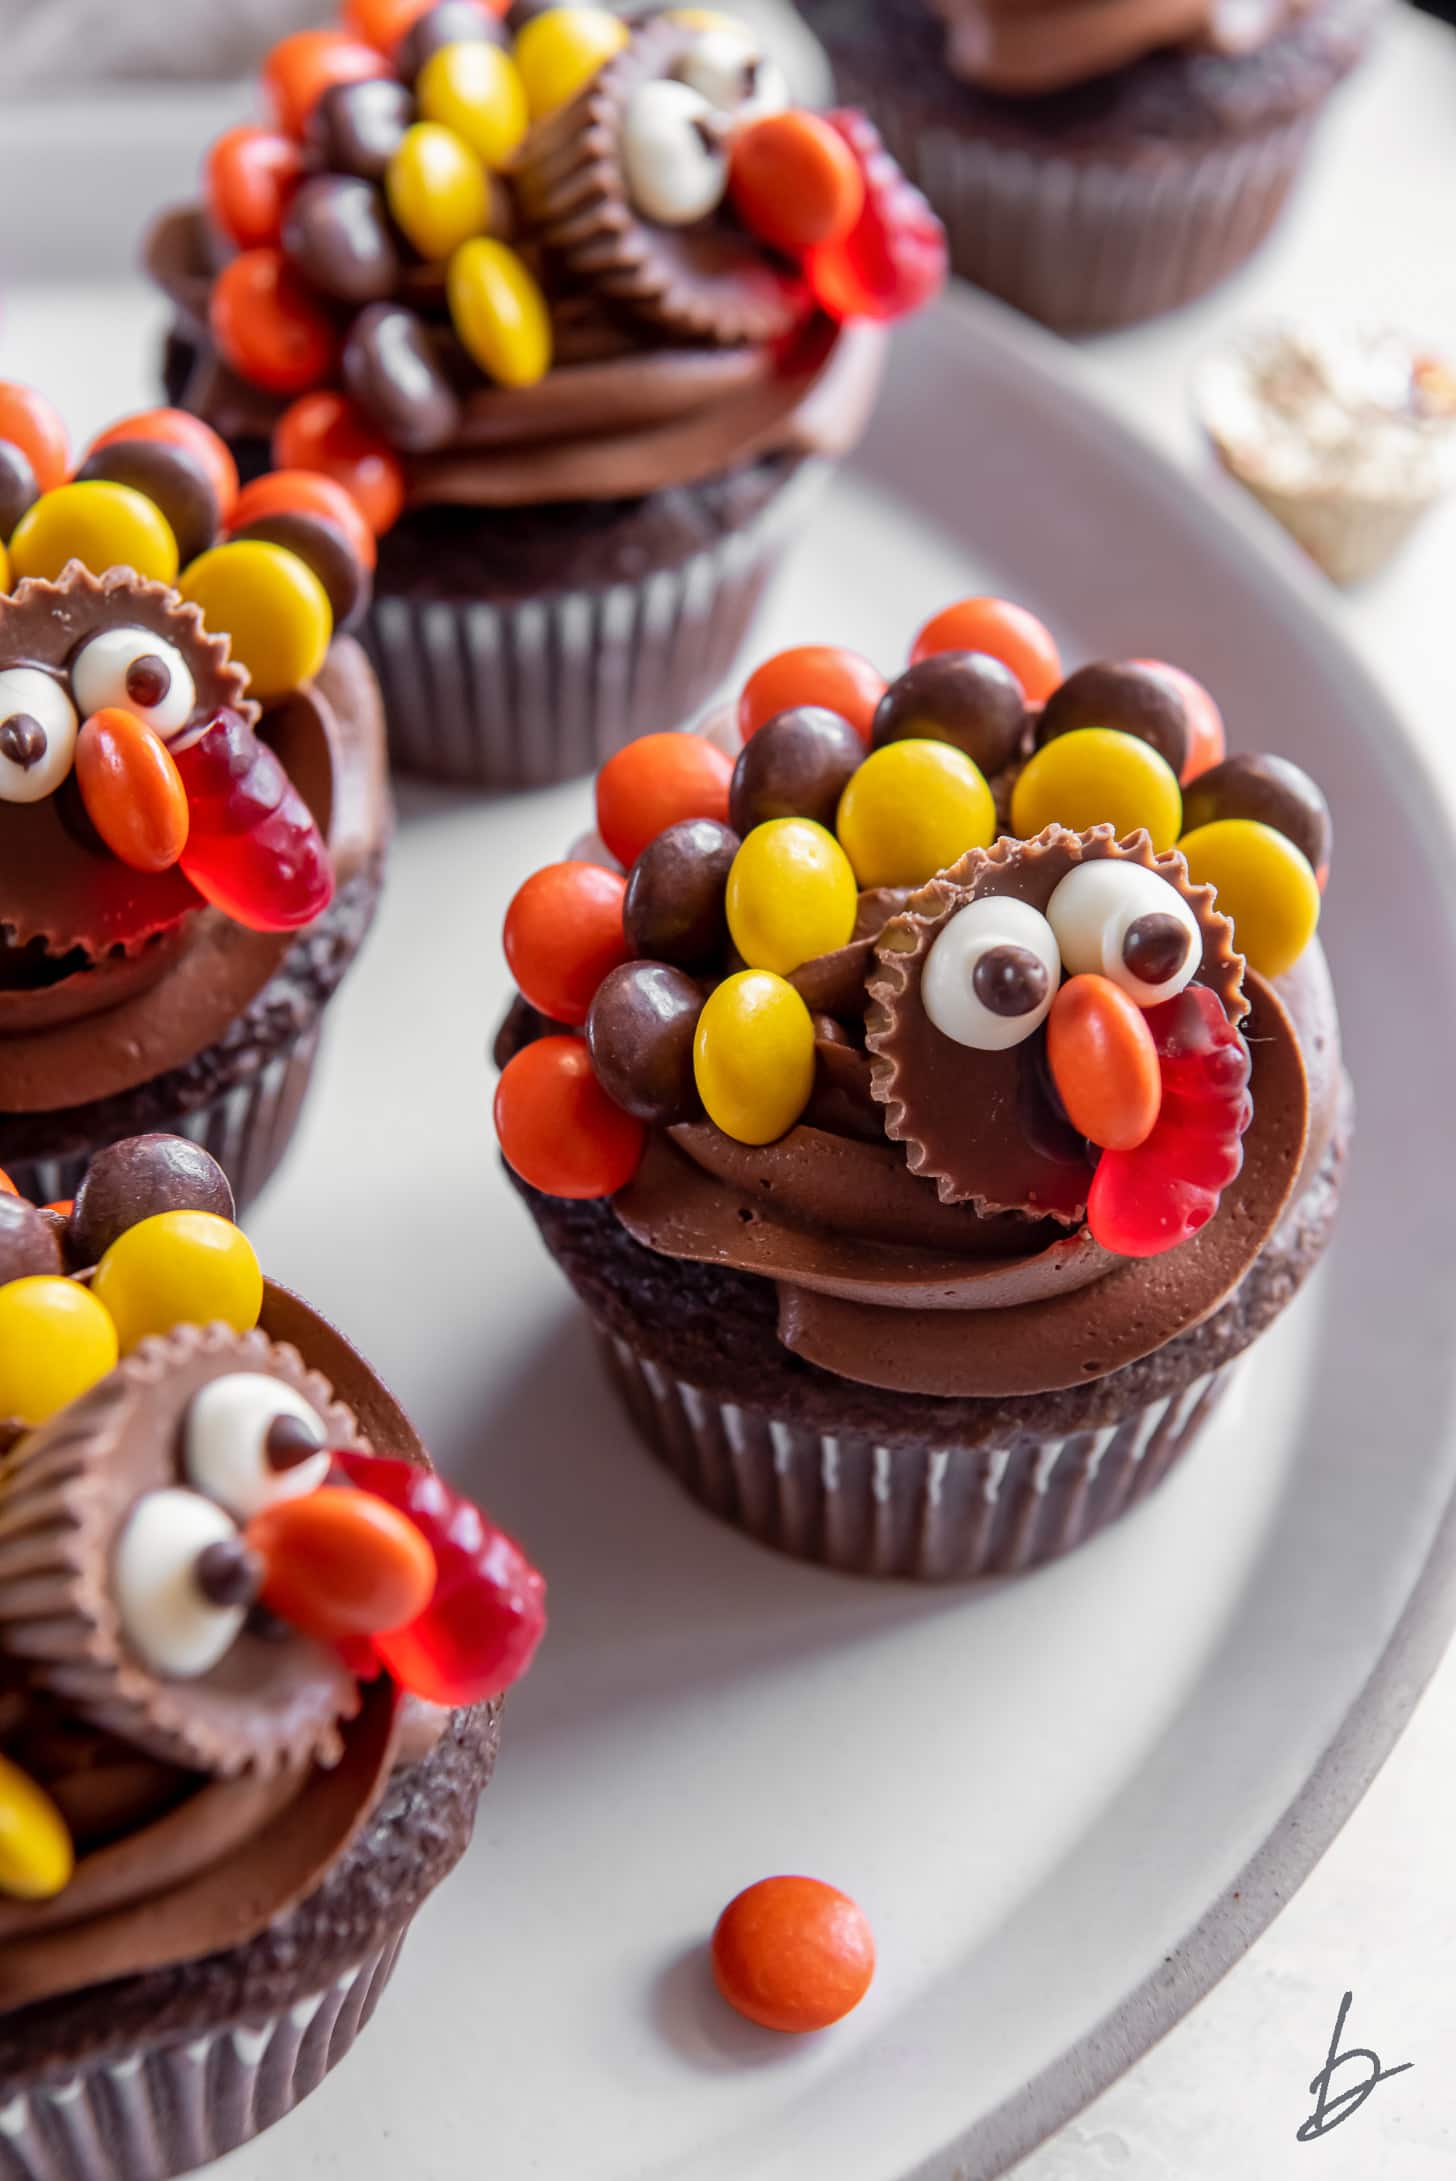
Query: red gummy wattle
{"points": [[253, 849], [1149, 1200], [480, 1630], [895, 258]]}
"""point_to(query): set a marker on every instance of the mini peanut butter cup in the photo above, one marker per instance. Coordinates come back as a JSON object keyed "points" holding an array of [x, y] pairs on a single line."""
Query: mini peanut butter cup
{"points": [[68, 1491], [704, 283], [965, 1116]]}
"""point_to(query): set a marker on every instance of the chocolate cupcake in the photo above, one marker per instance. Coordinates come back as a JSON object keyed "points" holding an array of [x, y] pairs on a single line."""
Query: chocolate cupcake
{"points": [[194, 803], [584, 315], [1097, 165], [930, 1126], [252, 1653]]}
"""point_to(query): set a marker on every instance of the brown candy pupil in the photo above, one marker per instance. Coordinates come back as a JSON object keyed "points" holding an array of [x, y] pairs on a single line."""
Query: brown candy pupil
{"points": [[228, 1574], [22, 740], [288, 1441], [1010, 980], [148, 680], [1155, 947]]}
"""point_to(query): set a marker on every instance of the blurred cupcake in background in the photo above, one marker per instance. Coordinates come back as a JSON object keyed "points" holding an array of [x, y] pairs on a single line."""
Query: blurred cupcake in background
{"points": [[1096, 163], [1347, 439], [194, 795], [582, 310]]}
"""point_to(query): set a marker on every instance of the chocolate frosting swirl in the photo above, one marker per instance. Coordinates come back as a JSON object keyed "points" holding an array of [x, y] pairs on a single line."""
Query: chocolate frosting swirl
{"points": [[203, 1811], [873, 1296], [615, 426], [995, 1288], [679, 353], [1024, 47]]}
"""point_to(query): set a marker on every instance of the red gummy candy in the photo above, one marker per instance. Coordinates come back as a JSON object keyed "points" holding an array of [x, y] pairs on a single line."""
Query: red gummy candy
{"points": [[479, 1632], [253, 849], [1149, 1200], [895, 257]]}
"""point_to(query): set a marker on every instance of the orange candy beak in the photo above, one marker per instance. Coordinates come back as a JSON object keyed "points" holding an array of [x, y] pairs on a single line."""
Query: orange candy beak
{"points": [[341, 1564], [1104, 1063], [132, 790]]}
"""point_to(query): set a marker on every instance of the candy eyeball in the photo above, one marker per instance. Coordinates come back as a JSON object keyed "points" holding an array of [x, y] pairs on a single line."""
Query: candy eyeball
{"points": [[183, 1580], [251, 1441], [37, 735], [1121, 921], [991, 975], [137, 671], [729, 68], [675, 163]]}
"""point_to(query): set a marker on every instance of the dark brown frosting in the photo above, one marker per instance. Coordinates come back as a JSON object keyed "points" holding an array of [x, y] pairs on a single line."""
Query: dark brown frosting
{"points": [[203, 1810], [185, 972], [991, 1286], [1032, 46], [871, 1296], [607, 427], [679, 352]]}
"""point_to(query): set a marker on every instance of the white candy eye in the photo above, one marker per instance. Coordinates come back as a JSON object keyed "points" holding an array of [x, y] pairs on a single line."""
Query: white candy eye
{"points": [[37, 735], [138, 671], [676, 168], [991, 976], [184, 1580], [1120, 920], [730, 69], [252, 1441]]}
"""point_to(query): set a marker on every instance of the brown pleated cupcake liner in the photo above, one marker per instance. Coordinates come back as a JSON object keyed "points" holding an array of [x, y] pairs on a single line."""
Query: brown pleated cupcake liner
{"points": [[1085, 243], [523, 693], [247, 1128], [147, 2115], [935, 1514]]}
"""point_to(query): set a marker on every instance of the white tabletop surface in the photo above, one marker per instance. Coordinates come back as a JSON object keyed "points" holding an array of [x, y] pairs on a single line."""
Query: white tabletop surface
{"points": [[1369, 238]]}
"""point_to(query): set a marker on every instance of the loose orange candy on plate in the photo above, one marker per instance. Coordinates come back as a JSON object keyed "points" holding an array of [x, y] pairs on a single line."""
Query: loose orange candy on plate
{"points": [[793, 1954]]}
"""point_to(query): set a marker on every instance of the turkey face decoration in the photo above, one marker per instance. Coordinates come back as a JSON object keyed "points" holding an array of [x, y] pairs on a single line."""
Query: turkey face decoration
{"points": [[224, 1559], [134, 787], [1055, 1032]]}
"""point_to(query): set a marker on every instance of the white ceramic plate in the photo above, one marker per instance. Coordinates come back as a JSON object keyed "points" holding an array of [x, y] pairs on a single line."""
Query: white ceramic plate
{"points": [[1069, 1802]]}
